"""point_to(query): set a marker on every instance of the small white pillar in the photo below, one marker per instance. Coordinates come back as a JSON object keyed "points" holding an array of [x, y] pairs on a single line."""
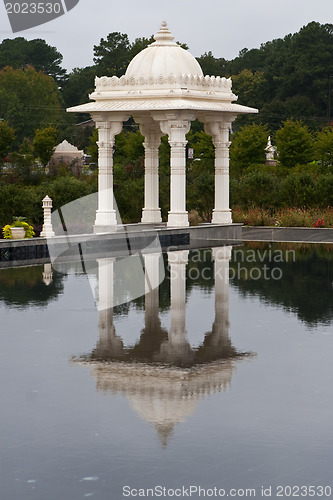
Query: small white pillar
{"points": [[47, 229], [219, 130]]}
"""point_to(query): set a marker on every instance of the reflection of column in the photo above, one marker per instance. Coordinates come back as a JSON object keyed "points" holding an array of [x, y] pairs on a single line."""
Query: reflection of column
{"points": [[151, 212], [47, 274], [177, 349], [152, 335], [109, 344], [220, 134], [219, 339], [177, 129], [152, 263], [106, 214]]}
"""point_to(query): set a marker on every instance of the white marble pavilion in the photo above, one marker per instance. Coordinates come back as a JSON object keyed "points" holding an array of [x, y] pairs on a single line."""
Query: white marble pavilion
{"points": [[163, 89]]}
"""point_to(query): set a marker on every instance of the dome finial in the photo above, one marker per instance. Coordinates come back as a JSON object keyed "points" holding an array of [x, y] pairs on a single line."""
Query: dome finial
{"points": [[164, 36]]}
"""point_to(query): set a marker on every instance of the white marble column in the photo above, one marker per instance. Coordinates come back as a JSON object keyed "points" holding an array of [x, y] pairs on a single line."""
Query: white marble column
{"points": [[177, 128], [151, 212], [106, 218], [219, 130]]}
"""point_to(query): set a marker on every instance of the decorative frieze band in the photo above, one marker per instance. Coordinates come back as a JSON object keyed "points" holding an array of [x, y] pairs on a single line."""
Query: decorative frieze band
{"points": [[195, 81]]}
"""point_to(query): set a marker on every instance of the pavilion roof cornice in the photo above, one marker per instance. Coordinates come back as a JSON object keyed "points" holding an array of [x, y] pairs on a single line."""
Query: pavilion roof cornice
{"points": [[162, 104]]}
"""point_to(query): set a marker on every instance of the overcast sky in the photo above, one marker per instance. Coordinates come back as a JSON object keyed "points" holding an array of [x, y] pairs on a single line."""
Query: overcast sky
{"points": [[224, 27]]}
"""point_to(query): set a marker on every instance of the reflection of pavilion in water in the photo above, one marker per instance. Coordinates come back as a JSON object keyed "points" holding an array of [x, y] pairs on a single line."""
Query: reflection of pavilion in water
{"points": [[162, 376]]}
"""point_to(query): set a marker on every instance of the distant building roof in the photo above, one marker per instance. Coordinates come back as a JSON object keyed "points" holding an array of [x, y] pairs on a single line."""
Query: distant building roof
{"points": [[66, 147]]}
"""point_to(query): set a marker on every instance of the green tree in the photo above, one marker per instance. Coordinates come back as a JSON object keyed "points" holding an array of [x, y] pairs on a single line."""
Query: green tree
{"points": [[111, 56], [248, 86], [20, 53], [23, 168], [79, 85], [29, 100], [44, 143], [295, 67], [7, 136], [211, 65], [324, 147], [248, 147], [200, 174], [294, 144], [93, 148]]}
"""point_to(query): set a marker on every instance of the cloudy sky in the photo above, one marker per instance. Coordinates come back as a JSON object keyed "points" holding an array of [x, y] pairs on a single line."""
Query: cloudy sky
{"points": [[224, 27]]}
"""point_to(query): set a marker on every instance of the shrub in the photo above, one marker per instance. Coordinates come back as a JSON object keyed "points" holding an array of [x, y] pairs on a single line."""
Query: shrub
{"points": [[324, 190], [18, 222], [260, 188], [294, 144], [294, 217], [298, 189], [254, 217]]}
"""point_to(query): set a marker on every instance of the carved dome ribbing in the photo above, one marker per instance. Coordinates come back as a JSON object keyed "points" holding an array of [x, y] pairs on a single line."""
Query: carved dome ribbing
{"points": [[163, 58]]}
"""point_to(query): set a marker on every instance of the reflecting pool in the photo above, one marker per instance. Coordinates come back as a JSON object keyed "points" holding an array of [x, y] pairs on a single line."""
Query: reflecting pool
{"points": [[216, 383]]}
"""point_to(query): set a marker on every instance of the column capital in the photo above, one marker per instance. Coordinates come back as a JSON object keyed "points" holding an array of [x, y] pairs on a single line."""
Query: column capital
{"points": [[152, 134], [219, 130], [176, 131], [176, 124], [222, 253], [112, 127], [178, 257], [172, 127]]}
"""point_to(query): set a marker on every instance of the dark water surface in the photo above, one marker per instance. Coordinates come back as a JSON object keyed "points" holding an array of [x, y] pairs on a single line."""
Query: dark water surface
{"points": [[210, 383]]}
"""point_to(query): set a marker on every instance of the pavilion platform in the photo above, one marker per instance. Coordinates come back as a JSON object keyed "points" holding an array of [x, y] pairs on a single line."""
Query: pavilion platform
{"points": [[127, 240]]}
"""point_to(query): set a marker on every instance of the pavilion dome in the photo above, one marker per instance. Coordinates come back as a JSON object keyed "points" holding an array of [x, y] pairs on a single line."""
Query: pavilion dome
{"points": [[163, 76], [163, 58]]}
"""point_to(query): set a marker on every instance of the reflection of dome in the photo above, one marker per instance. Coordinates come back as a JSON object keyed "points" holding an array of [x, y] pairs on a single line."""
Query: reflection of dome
{"points": [[161, 395], [163, 58], [163, 411]]}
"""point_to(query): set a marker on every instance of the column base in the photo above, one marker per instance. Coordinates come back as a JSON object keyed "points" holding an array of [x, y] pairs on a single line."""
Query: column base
{"points": [[222, 217], [151, 215], [178, 219], [47, 231], [105, 221]]}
